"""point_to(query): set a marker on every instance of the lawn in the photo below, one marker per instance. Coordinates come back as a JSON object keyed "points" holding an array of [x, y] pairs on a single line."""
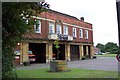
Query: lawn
{"points": [[107, 55], [74, 73]]}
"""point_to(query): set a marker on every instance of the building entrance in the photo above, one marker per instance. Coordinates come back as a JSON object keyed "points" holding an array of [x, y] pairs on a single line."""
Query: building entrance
{"points": [[39, 50], [74, 51], [61, 54]]}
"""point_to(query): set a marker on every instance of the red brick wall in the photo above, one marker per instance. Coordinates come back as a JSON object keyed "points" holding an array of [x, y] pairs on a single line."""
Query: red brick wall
{"points": [[44, 29], [17, 48], [63, 18], [54, 16]]}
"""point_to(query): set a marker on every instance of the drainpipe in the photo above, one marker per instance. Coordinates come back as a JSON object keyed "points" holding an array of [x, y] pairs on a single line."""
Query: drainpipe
{"points": [[118, 18]]}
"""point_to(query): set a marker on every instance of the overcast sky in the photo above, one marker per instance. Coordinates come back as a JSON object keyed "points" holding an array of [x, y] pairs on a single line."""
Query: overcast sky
{"points": [[100, 13]]}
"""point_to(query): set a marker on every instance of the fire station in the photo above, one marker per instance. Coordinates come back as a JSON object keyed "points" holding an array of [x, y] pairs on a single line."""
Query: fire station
{"points": [[75, 37]]}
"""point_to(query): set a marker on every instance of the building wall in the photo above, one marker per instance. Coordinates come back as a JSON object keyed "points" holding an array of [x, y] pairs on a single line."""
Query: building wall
{"points": [[56, 15], [70, 21]]}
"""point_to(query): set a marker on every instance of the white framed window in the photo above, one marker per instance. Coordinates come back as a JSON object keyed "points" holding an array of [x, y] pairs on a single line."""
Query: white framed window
{"points": [[58, 29], [65, 30], [86, 34], [37, 26], [81, 33], [74, 32], [51, 27]]}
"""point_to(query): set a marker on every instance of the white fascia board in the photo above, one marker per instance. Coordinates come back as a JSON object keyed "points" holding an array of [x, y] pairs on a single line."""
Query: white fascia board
{"points": [[63, 23], [76, 26]]}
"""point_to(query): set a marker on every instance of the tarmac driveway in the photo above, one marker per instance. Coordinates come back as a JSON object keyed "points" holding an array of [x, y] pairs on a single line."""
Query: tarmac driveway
{"points": [[101, 63]]}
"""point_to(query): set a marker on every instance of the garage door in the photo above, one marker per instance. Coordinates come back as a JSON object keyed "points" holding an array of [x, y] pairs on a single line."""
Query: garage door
{"points": [[74, 51]]}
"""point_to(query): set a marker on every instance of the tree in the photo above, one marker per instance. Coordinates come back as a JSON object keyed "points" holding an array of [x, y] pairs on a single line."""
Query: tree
{"points": [[111, 47], [16, 20], [56, 43], [101, 47]]}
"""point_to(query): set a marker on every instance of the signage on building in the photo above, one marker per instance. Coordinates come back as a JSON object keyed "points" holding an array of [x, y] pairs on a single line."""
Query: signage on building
{"points": [[62, 37]]}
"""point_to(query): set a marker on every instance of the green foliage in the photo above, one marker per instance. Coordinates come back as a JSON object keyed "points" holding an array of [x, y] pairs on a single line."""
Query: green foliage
{"points": [[14, 16], [8, 67], [101, 47], [111, 47], [57, 44]]}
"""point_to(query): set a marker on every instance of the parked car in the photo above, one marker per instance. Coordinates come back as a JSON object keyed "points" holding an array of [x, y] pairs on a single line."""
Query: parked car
{"points": [[17, 52], [95, 53], [30, 55], [17, 58]]}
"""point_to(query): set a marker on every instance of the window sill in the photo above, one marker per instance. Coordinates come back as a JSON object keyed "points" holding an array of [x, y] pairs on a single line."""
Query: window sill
{"points": [[81, 37], [37, 33], [86, 39]]}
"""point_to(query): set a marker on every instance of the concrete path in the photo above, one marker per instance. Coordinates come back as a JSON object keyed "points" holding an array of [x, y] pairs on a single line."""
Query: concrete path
{"points": [[101, 63]]}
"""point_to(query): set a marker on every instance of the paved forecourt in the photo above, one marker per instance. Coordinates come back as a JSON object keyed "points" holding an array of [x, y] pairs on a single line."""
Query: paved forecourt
{"points": [[101, 63]]}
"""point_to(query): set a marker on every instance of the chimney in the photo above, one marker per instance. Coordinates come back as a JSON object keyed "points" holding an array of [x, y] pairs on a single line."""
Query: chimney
{"points": [[82, 18]]}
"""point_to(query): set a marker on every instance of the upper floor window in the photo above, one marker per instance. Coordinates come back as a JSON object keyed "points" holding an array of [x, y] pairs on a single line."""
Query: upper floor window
{"points": [[51, 28], [74, 32], [65, 29], [86, 34], [81, 33], [37, 26], [58, 29]]}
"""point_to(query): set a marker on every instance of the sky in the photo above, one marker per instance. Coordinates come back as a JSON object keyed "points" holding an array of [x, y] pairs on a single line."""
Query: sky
{"points": [[101, 13]]}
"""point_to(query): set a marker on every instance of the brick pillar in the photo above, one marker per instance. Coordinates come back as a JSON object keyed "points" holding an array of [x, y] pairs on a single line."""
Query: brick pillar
{"points": [[23, 53], [91, 51], [50, 51], [81, 51], [67, 52], [87, 50], [47, 53]]}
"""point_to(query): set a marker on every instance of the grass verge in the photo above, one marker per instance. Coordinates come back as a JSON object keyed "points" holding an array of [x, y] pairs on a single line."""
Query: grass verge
{"points": [[74, 73], [107, 55]]}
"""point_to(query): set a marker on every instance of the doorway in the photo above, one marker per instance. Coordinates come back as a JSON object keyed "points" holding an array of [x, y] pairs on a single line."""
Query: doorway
{"points": [[39, 50], [61, 55]]}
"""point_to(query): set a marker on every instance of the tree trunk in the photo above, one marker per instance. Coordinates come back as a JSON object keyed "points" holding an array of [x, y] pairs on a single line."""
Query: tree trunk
{"points": [[58, 54]]}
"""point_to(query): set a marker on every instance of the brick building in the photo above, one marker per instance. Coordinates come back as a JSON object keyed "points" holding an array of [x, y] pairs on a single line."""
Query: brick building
{"points": [[75, 35]]}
